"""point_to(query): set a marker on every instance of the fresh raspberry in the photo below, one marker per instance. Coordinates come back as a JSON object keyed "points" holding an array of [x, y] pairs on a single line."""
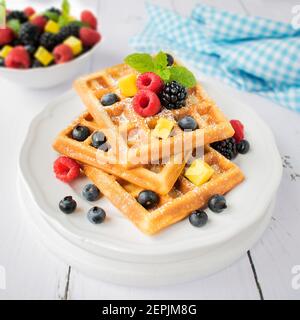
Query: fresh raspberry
{"points": [[89, 37], [6, 36], [146, 103], [89, 18], [39, 21], [62, 53], [66, 169], [150, 81], [29, 11], [238, 130], [18, 58]]}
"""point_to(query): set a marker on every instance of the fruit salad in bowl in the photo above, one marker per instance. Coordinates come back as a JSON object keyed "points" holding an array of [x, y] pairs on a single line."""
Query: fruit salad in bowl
{"points": [[43, 49]]}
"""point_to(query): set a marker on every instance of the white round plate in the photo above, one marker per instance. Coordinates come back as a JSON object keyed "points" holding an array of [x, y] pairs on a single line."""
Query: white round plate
{"points": [[118, 239]]}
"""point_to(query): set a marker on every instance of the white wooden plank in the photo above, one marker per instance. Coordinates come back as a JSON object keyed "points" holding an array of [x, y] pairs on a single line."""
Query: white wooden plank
{"points": [[235, 282]]}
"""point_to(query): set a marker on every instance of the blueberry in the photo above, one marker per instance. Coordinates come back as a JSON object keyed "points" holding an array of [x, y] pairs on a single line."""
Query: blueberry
{"points": [[109, 99], [217, 203], [148, 199], [243, 146], [37, 64], [98, 138], [30, 49], [170, 59], [67, 205], [104, 147], [188, 123], [198, 218], [80, 133], [91, 192], [96, 215], [1, 62]]}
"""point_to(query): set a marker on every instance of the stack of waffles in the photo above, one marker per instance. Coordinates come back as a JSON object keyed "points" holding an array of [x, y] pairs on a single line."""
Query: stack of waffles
{"points": [[135, 160]]}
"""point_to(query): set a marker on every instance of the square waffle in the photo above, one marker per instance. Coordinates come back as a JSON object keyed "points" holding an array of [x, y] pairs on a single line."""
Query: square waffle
{"points": [[159, 178], [174, 206], [137, 142]]}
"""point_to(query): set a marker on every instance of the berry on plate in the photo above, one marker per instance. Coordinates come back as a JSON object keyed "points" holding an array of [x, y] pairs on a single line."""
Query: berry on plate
{"points": [[226, 147], [173, 95], [238, 128], [89, 18], [198, 218], [243, 147], [98, 138], [104, 147], [150, 81], [109, 99], [67, 205], [18, 58], [90, 192], [217, 203], [188, 123], [62, 53], [148, 199], [96, 215], [89, 37], [6, 36], [80, 133], [66, 169], [146, 103]]}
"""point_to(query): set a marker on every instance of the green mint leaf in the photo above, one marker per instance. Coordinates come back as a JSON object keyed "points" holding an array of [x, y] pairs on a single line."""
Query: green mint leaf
{"points": [[65, 8], [164, 74], [51, 15], [142, 62], [63, 20], [160, 60], [15, 25], [183, 76]]}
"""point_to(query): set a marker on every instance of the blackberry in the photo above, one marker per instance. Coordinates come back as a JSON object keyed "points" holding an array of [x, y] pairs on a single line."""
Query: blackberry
{"points": [[16, 42], [72, 29], [173, 95], [19, 15], [1, 62], [29, 34], [54, 10], [226, 147], [48, 40]]}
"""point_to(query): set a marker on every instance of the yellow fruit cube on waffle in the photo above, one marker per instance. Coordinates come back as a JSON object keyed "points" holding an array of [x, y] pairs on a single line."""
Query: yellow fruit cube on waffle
{"points": [[157, 177], [213, 125], [174, 206]]}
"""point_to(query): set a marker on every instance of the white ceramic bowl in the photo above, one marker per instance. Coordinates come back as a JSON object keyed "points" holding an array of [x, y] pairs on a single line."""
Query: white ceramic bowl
{"points": [[50, 76]]}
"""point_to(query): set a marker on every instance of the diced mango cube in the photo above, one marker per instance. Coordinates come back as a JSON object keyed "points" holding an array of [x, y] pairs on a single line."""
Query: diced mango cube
{"points": [[163, 128], [75, 44], [52, 27], [44, 56], [128, 86], [199, 172], [5, 51]]}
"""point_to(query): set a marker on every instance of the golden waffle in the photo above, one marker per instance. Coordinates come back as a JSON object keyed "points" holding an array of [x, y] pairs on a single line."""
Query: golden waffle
{"points": [[177, 204], [213, 126], [159, 178]]}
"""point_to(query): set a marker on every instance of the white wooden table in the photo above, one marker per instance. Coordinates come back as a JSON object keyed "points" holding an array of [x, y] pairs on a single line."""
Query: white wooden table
{"points": [[34, 273]]}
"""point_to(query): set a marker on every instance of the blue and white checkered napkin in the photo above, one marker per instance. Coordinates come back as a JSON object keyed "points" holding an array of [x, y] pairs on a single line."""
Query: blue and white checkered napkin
{"points": [[249, 53]]}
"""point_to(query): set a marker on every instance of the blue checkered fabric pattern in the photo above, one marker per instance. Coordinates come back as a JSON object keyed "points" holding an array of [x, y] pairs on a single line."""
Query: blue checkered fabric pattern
{"points": [[250, 53]]}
